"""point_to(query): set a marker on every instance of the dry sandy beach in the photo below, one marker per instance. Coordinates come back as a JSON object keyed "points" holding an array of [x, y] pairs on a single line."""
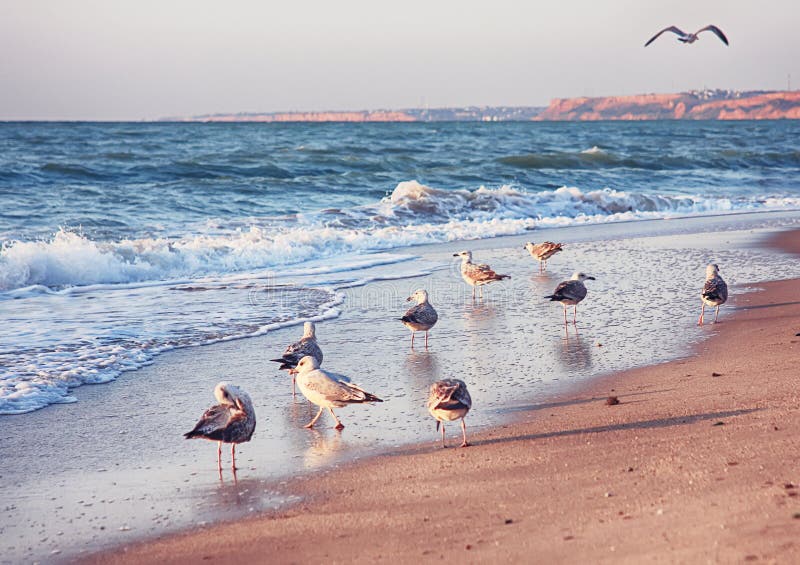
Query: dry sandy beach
{"points": [[700, 462]]}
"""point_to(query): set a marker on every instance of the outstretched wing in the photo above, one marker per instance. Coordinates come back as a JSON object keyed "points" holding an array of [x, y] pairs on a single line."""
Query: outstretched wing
{"points": [[673, 29], [717, 32]]}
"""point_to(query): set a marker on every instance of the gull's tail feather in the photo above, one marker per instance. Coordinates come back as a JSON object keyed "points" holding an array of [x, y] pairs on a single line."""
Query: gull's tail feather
{"points": [[368, 397], [371, 398], [194, 433], [286, 364]]}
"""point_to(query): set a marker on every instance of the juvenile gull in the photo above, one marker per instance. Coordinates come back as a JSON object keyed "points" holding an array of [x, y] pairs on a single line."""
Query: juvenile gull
{"points": [[476, 274], [449, 400], [689, 38], [307, 345], [232, 421], [570, 292], [543, 251], [328, 390], [420, 318], [715, 292]]}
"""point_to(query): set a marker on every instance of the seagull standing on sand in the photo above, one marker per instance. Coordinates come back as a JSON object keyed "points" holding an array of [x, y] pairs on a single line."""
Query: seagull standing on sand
{"points": [[475, 274], [328, 390], [307, 345], [715, 292], [690, 38], [420, 318], [570, 292], [449, 400], [232, 421], [542, 252]]}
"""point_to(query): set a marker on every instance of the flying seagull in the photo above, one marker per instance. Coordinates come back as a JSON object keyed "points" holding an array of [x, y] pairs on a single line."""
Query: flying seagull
{"points": [[449, 400], [570, 292], [232, 421], [328, 390], [420, 318], [543, 251], [688, 38], [715, 292], [476, 274], [307, 345]]}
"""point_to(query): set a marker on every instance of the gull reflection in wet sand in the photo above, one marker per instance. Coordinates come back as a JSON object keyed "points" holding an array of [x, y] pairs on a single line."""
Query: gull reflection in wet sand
{"points": [[423, 367], [575, 352], [323, 448]]}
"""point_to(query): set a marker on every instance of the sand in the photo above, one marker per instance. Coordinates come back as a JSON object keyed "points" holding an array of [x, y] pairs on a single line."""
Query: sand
{"points": [[699, 462]]}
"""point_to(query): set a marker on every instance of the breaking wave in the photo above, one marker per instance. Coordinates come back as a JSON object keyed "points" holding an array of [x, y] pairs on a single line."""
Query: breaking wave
{"points": [[413, 214]]}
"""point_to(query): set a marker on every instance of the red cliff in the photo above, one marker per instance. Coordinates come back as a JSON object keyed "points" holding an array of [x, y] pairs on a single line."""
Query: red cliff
{"points": [[698, 105]]}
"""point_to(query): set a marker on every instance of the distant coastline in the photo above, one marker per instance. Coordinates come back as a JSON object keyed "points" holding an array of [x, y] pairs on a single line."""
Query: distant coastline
{"points": [[693, 105]]}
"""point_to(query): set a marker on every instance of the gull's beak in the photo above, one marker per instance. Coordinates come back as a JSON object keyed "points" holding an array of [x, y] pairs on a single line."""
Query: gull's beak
{"points": [[590, 279], [456, 255], [410, 298]]}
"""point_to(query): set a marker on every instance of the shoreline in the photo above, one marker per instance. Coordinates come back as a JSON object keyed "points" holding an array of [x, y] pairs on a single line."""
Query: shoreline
{"points": [[364, 483]]}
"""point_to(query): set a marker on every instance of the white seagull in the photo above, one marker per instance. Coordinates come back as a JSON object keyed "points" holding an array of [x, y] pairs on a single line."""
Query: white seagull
{"points": [[420, 318], [543, 251], [306, 345], [715, 292], [232, 421], [570, 292], [477, 274], [689, 38], [328, 390], [449, 400]]}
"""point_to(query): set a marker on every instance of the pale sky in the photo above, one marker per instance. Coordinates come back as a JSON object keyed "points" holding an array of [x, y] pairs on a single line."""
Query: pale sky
{"points": [[145, 59]]}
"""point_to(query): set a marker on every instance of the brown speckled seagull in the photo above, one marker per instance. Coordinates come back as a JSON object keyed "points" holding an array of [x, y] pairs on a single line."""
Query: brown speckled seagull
{"points": [[306, 345], [543, 251], [570, 292], [420, 318], [232, 421], [449, 400], [715, 292], [477, 274]]}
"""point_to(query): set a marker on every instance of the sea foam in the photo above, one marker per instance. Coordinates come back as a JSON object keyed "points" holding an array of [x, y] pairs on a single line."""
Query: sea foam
{"points": [[412, 214]]}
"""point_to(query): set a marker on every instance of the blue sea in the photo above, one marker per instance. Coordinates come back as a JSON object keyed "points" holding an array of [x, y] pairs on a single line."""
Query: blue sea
{"points": [[119, 241]]}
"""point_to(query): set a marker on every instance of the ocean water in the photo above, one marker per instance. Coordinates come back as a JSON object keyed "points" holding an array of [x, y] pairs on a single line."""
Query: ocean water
{"points": [[121, 241]]}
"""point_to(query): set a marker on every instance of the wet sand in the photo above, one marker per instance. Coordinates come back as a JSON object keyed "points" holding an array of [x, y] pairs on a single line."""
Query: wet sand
{"points": [[700, 462]]}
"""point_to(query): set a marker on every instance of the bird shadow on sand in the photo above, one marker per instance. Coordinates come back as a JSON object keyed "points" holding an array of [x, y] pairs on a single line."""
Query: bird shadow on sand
{"points": [[575, 402], [772, 305], [640, 425]]}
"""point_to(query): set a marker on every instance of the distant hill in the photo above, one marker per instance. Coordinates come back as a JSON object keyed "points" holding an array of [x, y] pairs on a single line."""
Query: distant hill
{"points": [[694, 105], [466, 114]]}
